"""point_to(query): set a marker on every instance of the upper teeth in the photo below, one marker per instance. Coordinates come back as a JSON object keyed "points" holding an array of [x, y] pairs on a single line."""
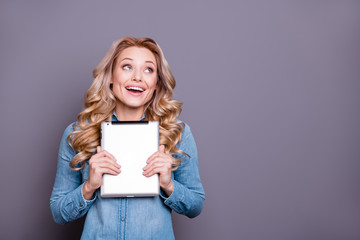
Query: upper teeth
{"points": [[135, 88]]}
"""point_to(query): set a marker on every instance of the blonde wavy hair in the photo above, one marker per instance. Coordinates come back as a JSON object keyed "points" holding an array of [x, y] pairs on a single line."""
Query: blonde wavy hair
{"points": [[100, 103]]}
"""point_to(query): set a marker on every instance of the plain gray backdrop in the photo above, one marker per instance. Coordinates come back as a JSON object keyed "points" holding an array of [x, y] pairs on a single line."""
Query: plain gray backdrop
{"points": [[271, 91]]}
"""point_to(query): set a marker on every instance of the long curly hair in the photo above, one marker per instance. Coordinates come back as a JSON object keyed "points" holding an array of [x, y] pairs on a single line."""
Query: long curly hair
{"points": [[100, 103]]}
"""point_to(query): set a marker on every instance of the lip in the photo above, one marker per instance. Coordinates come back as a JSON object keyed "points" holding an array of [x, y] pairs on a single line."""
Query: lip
{"points": [[136, 86], [137, 93]]}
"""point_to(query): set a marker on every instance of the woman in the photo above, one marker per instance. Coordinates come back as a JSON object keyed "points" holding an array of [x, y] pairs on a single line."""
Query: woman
{"points": [[132, 82]]}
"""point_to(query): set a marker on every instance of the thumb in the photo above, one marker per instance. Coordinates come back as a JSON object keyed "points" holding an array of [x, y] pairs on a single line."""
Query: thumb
{"points": [[162, 148], [98, 149]]}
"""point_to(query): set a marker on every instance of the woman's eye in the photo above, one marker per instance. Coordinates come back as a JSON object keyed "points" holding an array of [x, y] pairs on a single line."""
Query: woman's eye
{"points": [[126, 67], [149, 70]]}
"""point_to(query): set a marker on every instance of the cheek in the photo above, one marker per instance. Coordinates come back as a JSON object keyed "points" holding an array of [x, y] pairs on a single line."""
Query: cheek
{"points": [[152, 89], [153, 83], [120, 78]]}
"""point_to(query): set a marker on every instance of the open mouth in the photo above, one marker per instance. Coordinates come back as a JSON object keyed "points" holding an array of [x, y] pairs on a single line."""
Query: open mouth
{"points": [[135, 89]]}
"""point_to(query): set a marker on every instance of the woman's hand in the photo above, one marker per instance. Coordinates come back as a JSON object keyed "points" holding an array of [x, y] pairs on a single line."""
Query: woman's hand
{"points": [[100, 163], [161, 163]]}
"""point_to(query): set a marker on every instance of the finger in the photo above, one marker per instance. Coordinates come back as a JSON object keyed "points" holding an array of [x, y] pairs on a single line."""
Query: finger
{"points": [[109, 163], [107, 154], [110, 166], [102, 158], [105, 170], [162, 166], [159, 170], [104, 153], [97, 154], [105, 162], [100, 171], [158, 154], [155, 161], [152, 157]]}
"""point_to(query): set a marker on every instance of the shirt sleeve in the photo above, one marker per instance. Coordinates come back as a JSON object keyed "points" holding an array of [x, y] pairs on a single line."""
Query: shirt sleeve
{"points": [[67, 202], [188, 195]]}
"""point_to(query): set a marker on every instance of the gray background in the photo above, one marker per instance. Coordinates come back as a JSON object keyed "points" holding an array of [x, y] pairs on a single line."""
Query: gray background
{"points": [[270, 90]]}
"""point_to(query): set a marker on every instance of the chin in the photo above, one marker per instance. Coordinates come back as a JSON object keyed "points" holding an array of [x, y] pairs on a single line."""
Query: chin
{"points": [[134, 105]]}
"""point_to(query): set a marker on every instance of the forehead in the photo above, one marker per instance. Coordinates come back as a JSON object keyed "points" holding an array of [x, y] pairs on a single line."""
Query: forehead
{"points": [[140, 54]]}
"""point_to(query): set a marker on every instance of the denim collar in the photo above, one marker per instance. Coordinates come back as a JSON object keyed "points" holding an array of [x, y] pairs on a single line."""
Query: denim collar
{"points": [[115, 117]]}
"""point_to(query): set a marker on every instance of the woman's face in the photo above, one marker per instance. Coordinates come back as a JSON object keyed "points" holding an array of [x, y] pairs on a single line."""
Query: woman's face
{"points": [[134, 78]]}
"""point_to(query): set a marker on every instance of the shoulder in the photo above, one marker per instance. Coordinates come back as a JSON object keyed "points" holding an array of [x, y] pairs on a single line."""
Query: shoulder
{"points": [[69, 129], [186, 132], [187, 142], [65, 150]]}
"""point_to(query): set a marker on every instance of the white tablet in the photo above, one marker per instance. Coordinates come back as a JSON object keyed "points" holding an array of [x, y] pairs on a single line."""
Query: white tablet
{"points": [[131, 143]]}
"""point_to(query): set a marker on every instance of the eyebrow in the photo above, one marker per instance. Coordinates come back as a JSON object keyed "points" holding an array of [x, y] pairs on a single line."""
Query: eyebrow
{"points": [[133, 60], [151, 62], [126, 59]]}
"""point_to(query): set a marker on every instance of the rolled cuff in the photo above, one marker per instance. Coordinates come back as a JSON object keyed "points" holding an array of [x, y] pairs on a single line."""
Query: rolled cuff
{"points": [[176, 196], [81, 203]]}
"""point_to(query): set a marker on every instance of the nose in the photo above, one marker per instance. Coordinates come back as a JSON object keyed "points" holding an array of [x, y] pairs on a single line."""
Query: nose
{"points": [[137, 76]]}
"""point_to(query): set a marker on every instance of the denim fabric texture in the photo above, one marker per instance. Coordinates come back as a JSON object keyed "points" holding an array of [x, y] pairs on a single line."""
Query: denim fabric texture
{"points": [[126, 218]]}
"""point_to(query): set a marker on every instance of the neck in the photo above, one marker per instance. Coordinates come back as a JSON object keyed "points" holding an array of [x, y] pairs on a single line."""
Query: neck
{"points": [[129, 114]]}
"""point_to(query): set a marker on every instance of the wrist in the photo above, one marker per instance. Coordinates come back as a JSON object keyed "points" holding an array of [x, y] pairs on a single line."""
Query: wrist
{"points": [[87, 191], [169, 188]]}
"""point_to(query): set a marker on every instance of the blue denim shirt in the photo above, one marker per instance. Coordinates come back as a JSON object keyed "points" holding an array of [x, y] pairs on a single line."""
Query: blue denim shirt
{"points": [[126, 218]]}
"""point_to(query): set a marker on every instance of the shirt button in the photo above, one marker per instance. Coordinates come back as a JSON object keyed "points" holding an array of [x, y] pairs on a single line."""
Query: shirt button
{"points": [[81, 205], [122, 219], [170, 203]]}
